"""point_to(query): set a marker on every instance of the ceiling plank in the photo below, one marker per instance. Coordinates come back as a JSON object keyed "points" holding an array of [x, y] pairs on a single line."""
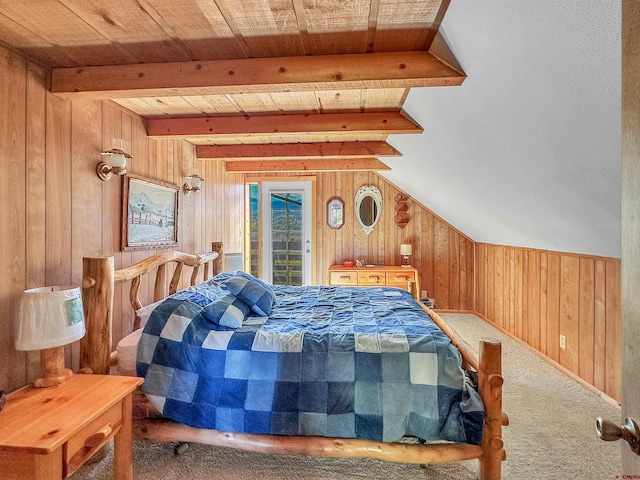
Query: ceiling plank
{"points": [[435, 26], [253, 23], [334, 26], [293, 150], [351, 164], [197, 25], [129, 28], [401, 22], [385, 122], [256, 75]]}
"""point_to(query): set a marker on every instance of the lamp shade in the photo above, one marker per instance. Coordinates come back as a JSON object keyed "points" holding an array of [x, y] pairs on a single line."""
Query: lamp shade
{"points": [[195, 183], [118, 160], [406, 249], [49, 317]]}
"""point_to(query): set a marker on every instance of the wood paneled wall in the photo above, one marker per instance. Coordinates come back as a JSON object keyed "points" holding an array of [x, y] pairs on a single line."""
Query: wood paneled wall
{"points": [[55, 210], [443, 256], [539, 295]]}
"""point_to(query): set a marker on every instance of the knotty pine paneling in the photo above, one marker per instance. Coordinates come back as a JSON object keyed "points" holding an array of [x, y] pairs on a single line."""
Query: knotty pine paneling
{"points": [[443, 256], [13, 265], [539, 295], [56, 210]]}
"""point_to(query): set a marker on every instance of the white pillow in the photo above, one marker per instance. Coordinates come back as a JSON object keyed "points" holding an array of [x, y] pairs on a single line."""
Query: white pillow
{"points": [[127, 352], [145, 312]]}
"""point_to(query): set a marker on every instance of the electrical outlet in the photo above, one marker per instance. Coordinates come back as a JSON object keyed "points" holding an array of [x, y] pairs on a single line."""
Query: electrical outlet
{"points": [[563, 342], [423, 294]]}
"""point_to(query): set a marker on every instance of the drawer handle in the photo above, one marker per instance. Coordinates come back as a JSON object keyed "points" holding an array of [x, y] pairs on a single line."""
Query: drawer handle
{"points": [[374, 279], [91, 444], [402, 277], [100, 436], [345, 277]]}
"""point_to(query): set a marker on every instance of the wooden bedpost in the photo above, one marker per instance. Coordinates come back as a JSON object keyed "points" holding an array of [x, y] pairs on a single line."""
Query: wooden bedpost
{"points": [[218, 263], [95, 346], [490, 387]]}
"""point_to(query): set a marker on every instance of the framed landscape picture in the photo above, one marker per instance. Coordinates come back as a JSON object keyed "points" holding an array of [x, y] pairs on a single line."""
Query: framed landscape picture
{"points": [[149, 214]]}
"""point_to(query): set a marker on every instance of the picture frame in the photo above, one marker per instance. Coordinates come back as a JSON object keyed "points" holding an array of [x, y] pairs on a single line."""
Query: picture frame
{"points": [[335, 213], [149, 214]]}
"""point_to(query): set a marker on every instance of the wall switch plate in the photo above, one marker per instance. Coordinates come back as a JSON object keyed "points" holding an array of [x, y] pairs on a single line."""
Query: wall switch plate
{"points": [[423, 294], [563, 342]]}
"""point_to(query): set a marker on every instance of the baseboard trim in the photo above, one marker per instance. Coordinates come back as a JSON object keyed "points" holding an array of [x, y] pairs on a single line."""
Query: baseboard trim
{"points": [[553, 363], [446, 310]]}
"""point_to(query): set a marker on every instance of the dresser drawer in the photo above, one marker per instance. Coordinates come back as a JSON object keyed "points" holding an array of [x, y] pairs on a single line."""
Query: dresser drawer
{"points": [[344, 278], [371, 277], [378, 276], [88, 441], [400, 279]]}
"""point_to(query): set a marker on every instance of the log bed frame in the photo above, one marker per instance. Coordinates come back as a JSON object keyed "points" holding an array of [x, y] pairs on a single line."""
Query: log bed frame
{"points": [[96, 356]]}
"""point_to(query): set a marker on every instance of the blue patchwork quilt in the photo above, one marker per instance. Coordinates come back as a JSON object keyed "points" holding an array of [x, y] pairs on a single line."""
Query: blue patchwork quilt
{"points": [[351, 362]]}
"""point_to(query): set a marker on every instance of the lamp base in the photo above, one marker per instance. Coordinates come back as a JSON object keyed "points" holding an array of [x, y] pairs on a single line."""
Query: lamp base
{"points": [[405, 265], [45, 382], [54, 373]]}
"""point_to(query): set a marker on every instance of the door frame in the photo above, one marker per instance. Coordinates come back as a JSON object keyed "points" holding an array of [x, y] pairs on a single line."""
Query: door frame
{"points": [[284, 183], [630, 230]]}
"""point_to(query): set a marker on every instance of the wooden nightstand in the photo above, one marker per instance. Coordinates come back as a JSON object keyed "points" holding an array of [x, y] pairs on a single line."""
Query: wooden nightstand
{"points": [[48, 433]]}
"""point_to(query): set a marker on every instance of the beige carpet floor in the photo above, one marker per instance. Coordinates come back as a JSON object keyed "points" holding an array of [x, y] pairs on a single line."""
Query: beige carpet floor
{"points": [[551, 436]]}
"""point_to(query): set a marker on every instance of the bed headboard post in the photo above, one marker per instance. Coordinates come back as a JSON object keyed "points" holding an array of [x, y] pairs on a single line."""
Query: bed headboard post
{"points": [[97, 298], [218, 263]]}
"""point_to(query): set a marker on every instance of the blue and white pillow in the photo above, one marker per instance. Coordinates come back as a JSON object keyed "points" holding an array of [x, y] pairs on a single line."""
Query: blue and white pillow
{"points": [[255, 293], [253, 279], [227, 311]]}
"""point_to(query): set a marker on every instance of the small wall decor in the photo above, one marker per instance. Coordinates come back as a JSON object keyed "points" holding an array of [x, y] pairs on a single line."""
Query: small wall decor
{"points": [[402, 217], [335, 213], [149, 214]]}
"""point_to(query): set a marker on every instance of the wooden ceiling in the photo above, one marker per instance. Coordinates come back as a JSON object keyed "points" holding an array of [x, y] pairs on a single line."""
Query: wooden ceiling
{"points": [[263, 83]]}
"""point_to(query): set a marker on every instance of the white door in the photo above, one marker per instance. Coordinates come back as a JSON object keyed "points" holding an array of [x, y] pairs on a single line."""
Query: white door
{"points": [[286, 232], [630, 256]]}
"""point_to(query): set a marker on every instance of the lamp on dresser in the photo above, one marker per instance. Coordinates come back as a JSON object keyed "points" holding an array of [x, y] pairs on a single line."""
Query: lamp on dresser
{"points": [[405, 250], [49, 318]]}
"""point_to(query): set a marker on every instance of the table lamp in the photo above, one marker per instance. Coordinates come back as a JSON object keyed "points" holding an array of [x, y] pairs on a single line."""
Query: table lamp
{"points": [[49, 318], [405, 250]]}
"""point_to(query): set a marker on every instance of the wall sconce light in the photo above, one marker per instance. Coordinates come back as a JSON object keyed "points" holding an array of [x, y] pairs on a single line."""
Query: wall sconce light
{"points": [[49, 318], [115, 163], [405, 250], [192, 183]]}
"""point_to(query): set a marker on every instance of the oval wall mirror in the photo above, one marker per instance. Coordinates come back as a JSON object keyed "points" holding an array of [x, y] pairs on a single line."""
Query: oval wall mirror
{"points": [[368, 207]]}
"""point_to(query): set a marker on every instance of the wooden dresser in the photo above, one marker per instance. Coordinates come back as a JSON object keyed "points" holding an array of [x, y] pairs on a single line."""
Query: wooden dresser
{"points": [[392, 276]]}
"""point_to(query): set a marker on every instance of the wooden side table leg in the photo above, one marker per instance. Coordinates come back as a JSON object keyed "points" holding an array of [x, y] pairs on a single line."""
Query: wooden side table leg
{"points": [[123, 444]]}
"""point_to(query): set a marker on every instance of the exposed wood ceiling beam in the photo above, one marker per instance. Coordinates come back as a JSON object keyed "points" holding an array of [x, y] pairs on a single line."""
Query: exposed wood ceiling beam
{"points": [[272, 151], [381, 122], [352, 164], [256, 75], [435, 26]]}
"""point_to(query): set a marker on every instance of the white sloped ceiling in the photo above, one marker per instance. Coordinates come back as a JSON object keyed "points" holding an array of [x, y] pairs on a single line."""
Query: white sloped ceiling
{"points": [[527, 151]]}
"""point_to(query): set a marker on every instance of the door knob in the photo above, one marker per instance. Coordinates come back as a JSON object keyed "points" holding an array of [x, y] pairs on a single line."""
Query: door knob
{"points": [[629, 431]]}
